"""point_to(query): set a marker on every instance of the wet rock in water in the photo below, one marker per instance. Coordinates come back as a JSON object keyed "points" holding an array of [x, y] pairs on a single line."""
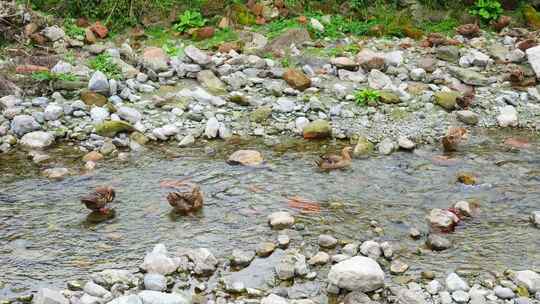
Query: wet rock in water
{"points": [[351, 249], [405, 143], [242, 258], [363, 148], [398, 267], [442, 220], [205, 262], [438, 242], [274, 299], [357, 297], [198, 56], [468, 117], [529, 279], [387, 146], [415, 233], [454, 283], [212, 128], [460, 296], [187, 141], [93, 156], [22, 124], [163, 133], [283, 241], [371, 249], [246, 158], [291, 264], [280, 220], [37, 140], [155, 281], [535, 218], [464, 208], [297, 79], [156, 297], [208, 79], [327, 241], [321, 258], [99, 83], [95, 290], [466, 178], [265, 249], [158, 261], [129, 299], [55, 173], [508, 117], [318, 129], [49, 296], [357, 274], [155, 59]]}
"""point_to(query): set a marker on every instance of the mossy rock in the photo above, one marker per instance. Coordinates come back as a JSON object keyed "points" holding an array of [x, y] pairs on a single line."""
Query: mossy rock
{"points": [[93, 99], [532, 17], [69, 85], [389, 97], [260, 114], [242, 15], [113, 127], [318, 129], [139, 138], [412, 32], [363, 147], [446, 100]]}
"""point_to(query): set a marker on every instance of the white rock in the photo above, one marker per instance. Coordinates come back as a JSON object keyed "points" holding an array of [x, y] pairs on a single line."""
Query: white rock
{"points": [[508, 117], [533, 56], [504, 292], [284, 104], [274, 299], [158, 261], [62, 67], [130, 299], [198, 56], [129, 114], [49, 296], [155, 281], [187, 141], [280, 220], [95, 290], [406, 143], [99, 83], [317, 25], [434, 287], [371, 249], [53, 33], [212, 128], [454, 282], [37, 140], [460, 296], [418, 74], [99, 114], [357, 273], [378, 80], [394, 58], [156, 297], [528, 278], [22, 124], [300, 123], [53, 112]]}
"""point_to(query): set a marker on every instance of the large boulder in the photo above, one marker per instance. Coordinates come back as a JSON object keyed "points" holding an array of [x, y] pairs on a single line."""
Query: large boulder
{"points": [[155, 59], [297, 79], [37, 140], [529, 279], [198, 56], [22, 124], [357, 274], [158, 261]]}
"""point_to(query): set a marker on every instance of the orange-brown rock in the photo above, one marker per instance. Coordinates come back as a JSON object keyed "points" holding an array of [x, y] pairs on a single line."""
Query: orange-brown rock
{"points": [[297, 79], [30, 68], [470, 30], [100, 30]]}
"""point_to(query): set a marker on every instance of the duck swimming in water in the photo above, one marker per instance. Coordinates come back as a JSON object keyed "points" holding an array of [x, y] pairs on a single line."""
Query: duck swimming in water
{"points": [[185, 197], [99, 199], [453, 138], [333, 162]]}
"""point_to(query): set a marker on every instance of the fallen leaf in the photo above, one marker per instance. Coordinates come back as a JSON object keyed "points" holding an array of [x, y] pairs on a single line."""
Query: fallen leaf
{"points": [[520, 143], [304, 205]]}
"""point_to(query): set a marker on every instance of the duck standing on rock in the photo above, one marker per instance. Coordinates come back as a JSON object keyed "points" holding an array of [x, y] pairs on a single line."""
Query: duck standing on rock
{"points": [[186, 197], [333, 162], [99, 199], [453, 138]]}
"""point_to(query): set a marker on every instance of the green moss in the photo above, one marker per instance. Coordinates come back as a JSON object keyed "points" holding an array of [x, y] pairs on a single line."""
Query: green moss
{"points": [[113, 127], [531, 17]]}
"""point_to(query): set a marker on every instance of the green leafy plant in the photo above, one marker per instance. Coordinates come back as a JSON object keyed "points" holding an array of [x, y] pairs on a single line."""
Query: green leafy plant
{"points": [[171, 49], [285, 62], [189, 19], [105, 64], [43, 76], [72, 30], [367, 96], [486, 10]]}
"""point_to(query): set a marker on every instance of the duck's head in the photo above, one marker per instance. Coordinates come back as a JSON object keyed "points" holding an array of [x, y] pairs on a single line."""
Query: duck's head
{"points": [[107, 192]]}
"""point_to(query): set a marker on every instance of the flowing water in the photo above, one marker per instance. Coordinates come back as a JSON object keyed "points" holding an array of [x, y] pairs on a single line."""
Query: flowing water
{"points": [[46, 237]]}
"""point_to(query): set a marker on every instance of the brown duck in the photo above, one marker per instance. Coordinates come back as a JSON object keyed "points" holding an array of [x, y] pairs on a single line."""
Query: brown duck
{"points": [[453, 138], [185, 197], [99, 199], [333, 162]]}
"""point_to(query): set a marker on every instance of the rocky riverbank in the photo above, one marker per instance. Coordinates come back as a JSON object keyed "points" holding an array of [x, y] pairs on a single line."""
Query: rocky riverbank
{"points": [[424, 87], [283, 271]]}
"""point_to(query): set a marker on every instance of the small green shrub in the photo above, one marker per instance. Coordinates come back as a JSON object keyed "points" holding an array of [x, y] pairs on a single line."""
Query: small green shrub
{"points": [[486, 10], [72, 30], [43, 76], [367, 96], [105, 64], [172, 49], [189, 19]]}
